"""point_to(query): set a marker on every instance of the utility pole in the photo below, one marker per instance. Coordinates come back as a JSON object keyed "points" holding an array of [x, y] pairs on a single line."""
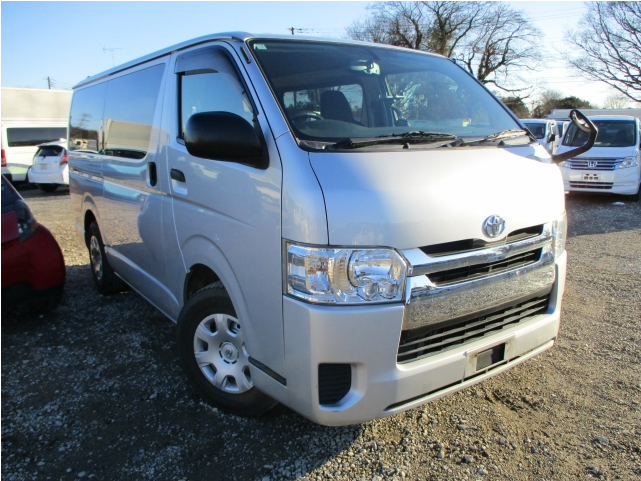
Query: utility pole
{"points": [[49, 82], [291, 29]]}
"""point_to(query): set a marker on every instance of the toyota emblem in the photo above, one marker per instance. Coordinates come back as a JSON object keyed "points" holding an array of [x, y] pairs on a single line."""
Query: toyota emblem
{"points": [[493, 226]]}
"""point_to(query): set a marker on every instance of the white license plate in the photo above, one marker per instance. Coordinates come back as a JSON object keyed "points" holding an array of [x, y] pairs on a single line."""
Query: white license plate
{"points": [[43, 166], [592, 177]]}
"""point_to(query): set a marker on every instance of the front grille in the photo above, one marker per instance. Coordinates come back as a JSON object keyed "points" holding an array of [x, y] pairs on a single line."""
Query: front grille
{"points": [[477, 271], [594, 164], [591, 185], [334, 382], [466, 245], [429, 340]]}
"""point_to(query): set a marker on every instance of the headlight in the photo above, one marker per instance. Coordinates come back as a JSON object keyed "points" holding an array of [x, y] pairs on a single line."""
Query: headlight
{"points": [[344, 276], [560, 233], [628, 162], [563, 164]]}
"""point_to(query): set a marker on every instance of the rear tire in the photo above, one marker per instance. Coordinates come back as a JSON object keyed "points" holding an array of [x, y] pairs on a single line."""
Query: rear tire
{"points": [[48, 187], [212, 353], [104, 276]]}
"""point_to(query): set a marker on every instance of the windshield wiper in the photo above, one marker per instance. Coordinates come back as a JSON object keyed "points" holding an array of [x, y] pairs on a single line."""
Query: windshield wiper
{"points": [[413, 137], [495, 137]]}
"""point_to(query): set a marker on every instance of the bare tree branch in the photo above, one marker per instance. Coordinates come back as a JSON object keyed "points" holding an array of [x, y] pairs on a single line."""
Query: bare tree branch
{"points": [[491, 40], [608, 42]]}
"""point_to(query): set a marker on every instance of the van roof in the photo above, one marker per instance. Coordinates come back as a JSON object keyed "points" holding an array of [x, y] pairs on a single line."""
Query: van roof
{"points": [[236, 36]]}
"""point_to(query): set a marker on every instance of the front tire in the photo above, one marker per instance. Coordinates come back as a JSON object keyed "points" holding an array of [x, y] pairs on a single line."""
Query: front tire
{"points": [[212, 352], [634, 197], [106, 280]]}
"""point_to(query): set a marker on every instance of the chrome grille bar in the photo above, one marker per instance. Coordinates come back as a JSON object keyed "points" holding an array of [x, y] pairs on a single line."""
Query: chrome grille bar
{"points": [[593, 163], [422, 264]]}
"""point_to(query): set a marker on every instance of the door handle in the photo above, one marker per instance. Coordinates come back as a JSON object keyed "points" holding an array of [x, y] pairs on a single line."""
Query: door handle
{"points": [[153, 177], [177, 175]]}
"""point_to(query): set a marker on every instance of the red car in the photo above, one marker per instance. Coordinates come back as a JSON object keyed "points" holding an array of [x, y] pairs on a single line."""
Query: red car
{"points": [[33, 268]]}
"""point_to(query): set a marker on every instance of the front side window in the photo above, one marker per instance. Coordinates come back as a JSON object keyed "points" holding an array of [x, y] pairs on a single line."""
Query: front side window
{"points": [[612, 133], [333, 91], [209, 83]]}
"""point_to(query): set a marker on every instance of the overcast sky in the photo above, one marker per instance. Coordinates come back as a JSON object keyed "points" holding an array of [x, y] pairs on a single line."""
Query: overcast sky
{"points": [[68, 41]]}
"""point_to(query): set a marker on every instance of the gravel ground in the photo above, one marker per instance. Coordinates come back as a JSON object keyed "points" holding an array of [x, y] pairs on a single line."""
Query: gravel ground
{"points": [[94, 390]]}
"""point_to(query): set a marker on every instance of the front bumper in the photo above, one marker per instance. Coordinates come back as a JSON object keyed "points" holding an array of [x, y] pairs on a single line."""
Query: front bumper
{"points": [[618, 181], [367, 338]]}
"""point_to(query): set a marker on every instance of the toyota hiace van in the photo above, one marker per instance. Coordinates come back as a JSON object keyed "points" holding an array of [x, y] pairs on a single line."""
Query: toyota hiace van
{"points": [[347, 228]]}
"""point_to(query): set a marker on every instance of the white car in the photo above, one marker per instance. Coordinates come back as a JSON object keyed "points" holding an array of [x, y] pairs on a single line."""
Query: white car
{"points": [[546, 131], [612, 166], [50, 168]]}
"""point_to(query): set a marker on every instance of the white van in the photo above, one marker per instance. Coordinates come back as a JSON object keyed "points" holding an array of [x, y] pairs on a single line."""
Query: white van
{"points": [[20, 142], [30, 117], [275, 197], [546, 131], [613, 165]]}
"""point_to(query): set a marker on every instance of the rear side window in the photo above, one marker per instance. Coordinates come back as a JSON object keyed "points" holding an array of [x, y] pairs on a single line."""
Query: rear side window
{"points": [[85, 122], [129, 112], [30, 136]]}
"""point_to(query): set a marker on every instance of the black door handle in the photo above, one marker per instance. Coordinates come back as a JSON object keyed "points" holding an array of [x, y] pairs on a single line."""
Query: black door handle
{"points": [[177, 175], [153, 177]]}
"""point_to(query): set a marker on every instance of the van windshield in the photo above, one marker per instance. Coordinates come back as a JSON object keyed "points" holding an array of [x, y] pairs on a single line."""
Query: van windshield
{"points": [[612, 133], [332, 91]]}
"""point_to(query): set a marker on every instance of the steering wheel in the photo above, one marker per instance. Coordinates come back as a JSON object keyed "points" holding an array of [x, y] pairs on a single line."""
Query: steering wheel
{"points": [[304, 115]]}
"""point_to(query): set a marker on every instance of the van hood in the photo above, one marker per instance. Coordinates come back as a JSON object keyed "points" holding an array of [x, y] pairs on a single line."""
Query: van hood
{"points": [[413, 199]]}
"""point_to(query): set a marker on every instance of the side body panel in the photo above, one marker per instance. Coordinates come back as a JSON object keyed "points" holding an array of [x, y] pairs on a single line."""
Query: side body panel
{"points": [[228, 218], [131, 222]]}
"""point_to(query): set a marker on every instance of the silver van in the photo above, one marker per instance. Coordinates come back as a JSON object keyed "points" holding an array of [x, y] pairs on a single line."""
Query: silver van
{"points": [[346, 228]]}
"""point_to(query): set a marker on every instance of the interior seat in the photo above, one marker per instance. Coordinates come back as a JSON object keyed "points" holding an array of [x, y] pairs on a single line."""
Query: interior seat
{"points": [[334, 106]]}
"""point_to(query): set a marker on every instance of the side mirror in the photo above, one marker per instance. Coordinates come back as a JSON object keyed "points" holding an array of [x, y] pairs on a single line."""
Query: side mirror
{"points": [[552, 138], [583, 123], [224, 136]]}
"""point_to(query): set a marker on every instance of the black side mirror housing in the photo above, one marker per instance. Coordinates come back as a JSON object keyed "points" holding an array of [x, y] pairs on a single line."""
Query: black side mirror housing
{"points": [[224, 136], [583, 123]]}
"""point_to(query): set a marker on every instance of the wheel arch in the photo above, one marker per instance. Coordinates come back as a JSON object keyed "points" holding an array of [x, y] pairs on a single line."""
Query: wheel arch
{"points": [[207, 264]]}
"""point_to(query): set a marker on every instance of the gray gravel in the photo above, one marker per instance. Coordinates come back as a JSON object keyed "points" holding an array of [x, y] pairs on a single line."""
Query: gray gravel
{"points": [[94, 391]]}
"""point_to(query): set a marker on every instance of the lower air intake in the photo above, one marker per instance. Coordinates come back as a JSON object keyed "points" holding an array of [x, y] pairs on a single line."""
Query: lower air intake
{"points": [[334, 382]]}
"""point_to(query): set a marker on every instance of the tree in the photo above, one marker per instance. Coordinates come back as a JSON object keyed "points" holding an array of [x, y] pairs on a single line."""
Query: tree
{"points": [[573, 103], [491, 40], [616, 101], [551, 99], [547, 101], [517, 106], [608, 42]]}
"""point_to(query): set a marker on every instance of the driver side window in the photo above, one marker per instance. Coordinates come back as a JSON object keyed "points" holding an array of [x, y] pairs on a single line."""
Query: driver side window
{"points": [[211, 85]]}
